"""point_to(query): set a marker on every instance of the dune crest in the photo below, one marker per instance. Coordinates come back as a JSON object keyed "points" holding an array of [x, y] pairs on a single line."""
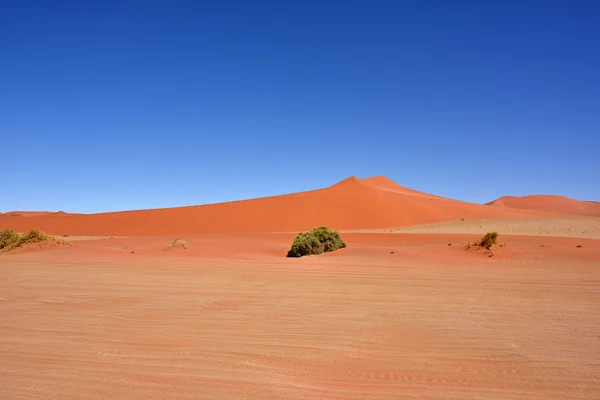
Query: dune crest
{"points": [[384, 183], [25, 214], [350, 204], [549, 203]]}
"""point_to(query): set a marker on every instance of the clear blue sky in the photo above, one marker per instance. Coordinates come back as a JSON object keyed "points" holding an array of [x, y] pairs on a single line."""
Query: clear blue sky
{"points": [[111, 105]]}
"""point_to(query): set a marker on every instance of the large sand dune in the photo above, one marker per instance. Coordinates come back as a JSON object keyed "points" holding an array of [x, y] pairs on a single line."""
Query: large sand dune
{"points": [[25, 214], [549, 203], [350, 204]]}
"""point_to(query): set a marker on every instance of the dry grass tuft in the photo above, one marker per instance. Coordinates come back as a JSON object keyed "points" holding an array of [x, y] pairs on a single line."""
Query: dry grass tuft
{"points": [[11, 240], [486, 242], [178, 243]]}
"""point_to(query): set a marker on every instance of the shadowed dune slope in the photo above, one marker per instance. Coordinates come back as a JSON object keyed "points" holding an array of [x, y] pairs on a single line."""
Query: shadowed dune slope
{"points": [[349, 204], [549, 203]]}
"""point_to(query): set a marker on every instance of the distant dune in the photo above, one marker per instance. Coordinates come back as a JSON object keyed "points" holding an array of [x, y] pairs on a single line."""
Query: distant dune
{"points": [[350, 204], [25, 214], [549, 203]]}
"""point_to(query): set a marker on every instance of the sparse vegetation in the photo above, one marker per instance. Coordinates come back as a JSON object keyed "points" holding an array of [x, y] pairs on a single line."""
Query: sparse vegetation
{"points": [[318, 241], [7, 239], [11, 240], [489, 240], [178, 243], [486, 241]]}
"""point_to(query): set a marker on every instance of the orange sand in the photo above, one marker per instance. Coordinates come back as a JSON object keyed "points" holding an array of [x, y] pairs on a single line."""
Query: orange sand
{"points": [[24, 214], [350, 204], [558, 204], [392, 316]]}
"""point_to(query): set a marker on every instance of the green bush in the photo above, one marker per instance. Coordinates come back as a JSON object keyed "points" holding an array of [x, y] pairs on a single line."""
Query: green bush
{"points": [[318, 241]]}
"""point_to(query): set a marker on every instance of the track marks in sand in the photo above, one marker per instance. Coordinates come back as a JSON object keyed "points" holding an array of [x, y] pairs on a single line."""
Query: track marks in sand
{"points": [[313, 330]]}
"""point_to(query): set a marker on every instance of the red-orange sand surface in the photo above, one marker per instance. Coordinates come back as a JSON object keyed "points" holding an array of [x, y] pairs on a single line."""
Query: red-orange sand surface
{"points": [[350, 204], [392, 316], [24, 214], [557, 204]]}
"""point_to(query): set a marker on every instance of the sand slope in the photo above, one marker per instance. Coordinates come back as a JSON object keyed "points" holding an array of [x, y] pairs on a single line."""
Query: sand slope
{"points": [[25, 214], [549, 203], [349, 204], [384, 183]]}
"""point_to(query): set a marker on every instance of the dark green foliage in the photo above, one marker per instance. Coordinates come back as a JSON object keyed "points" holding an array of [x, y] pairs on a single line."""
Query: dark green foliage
{"points": [[304, 244], [318, 241]]}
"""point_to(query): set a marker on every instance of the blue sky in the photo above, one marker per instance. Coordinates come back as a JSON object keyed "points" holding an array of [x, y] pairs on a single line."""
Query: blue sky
{"points": [[112, 105]]}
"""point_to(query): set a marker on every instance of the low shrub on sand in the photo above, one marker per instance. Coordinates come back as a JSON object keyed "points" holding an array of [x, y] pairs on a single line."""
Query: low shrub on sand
{"points": [[486, 241], [8, 238], [178, 243], [11, 240], [318, 241]]}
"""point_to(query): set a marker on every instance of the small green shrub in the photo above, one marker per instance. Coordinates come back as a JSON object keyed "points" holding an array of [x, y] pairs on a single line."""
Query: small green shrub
{"points": [[318, 241]]}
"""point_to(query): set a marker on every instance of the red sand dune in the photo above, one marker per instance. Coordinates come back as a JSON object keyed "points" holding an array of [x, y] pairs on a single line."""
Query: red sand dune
{"points": [[350, 204], [549, 203], [383, 183], [25, 214]]}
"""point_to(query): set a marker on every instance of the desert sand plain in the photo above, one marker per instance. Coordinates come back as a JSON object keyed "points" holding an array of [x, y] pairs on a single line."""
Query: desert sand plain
{"points": [[404, 312]]}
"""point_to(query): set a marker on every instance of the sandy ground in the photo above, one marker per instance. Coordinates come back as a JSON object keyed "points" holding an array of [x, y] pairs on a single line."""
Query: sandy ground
{"points": [[561, 227], [393, 316]]}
